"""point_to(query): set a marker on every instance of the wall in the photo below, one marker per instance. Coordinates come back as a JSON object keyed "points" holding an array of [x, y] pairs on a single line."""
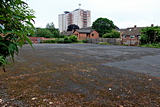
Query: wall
{"points": [[113, 41], [82, 36], [96, 35], [130, 41], [38, 39]]}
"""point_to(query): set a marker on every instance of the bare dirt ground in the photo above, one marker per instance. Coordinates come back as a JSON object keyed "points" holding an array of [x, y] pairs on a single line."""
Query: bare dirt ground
{"points": [[75, 75]]}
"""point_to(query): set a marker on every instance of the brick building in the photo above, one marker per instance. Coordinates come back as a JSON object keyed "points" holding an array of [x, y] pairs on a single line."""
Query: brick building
{"points": [[85, 33], [131, 36]]}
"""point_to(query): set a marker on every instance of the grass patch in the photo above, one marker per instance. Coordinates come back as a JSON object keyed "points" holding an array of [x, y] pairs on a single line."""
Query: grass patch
{"points": [[103, 43], [153, 45]]}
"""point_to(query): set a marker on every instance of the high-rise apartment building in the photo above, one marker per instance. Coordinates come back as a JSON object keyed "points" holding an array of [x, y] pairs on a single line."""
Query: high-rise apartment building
{"points": [[80, 17]]}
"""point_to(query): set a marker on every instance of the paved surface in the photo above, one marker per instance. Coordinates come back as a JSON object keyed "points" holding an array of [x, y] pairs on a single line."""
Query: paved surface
{"points": [[137, 59], [82, 75]]}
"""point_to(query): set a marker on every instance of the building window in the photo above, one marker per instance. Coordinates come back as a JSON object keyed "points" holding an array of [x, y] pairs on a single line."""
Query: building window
{"points": [[132, 37], [92, 34]]}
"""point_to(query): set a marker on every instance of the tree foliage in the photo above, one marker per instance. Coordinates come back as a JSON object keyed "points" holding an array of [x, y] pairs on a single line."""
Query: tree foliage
{"points": [[42, 32], [150, 35], [52, 29], [103, 26], [72, 27], [50, 26], [16, 24], [112, 34]]}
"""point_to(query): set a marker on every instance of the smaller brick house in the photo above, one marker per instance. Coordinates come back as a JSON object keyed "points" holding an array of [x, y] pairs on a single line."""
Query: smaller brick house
{"points": [[86, 33], [131, 36]]}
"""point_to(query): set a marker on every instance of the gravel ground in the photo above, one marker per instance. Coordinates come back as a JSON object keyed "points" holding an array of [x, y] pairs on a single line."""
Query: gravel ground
{"points": [[59, 75]]}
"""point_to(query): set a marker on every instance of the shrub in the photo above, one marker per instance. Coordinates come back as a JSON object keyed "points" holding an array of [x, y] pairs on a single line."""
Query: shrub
{"points": [[59, 40], [84, 41], [61, 36], [113, 34], [73, 38], [153, 45], [49, 41], [67, 39]]}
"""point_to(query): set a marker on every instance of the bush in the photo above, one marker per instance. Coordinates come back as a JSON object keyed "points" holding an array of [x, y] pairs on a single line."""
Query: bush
{"points": [[84, 41], [61, 36], [153, 45], [49, 41], [113, 34], [73, 38], [59, 40], [67, 39]]}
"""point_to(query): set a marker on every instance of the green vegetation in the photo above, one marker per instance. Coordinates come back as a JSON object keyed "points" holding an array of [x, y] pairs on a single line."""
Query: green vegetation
{"points": [[112, 34], [153, 45], [72, 27], [73, 38], [103, 43], [103, 26], [84, 41], [66, 39], [49, 32], [15, 25], [42, 32], [53, 30], [150, 37], [49, 41]]}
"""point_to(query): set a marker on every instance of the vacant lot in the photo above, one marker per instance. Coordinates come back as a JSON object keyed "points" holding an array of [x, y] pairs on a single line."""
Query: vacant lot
{"points": [[82, 75]]}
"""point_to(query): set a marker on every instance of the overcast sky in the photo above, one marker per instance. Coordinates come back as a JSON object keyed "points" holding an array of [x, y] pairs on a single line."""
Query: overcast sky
{"points": [[124, 13]]}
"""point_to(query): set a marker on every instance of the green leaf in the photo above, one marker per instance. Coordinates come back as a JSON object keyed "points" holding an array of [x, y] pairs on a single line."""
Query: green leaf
{"points": [[28, 40], [16, 18], [30, 17], [1, 16]]}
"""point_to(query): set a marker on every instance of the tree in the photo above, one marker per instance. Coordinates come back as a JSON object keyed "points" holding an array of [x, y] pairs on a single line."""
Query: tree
{"points": [[150, 35], [16, 24], [42, 32], [72, 27], [112, 34], [52, 29], [50, 26], [103, 26]]}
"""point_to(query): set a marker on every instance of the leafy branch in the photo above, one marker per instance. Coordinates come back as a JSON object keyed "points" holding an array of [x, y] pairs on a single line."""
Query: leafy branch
{"points": [[15, 26]]}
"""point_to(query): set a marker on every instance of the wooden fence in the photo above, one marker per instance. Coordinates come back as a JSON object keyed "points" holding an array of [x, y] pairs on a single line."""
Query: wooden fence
{"points": [[113, 41]]}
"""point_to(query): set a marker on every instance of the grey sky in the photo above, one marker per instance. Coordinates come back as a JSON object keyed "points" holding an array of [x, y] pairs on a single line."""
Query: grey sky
{"points": [[124, 13]]}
